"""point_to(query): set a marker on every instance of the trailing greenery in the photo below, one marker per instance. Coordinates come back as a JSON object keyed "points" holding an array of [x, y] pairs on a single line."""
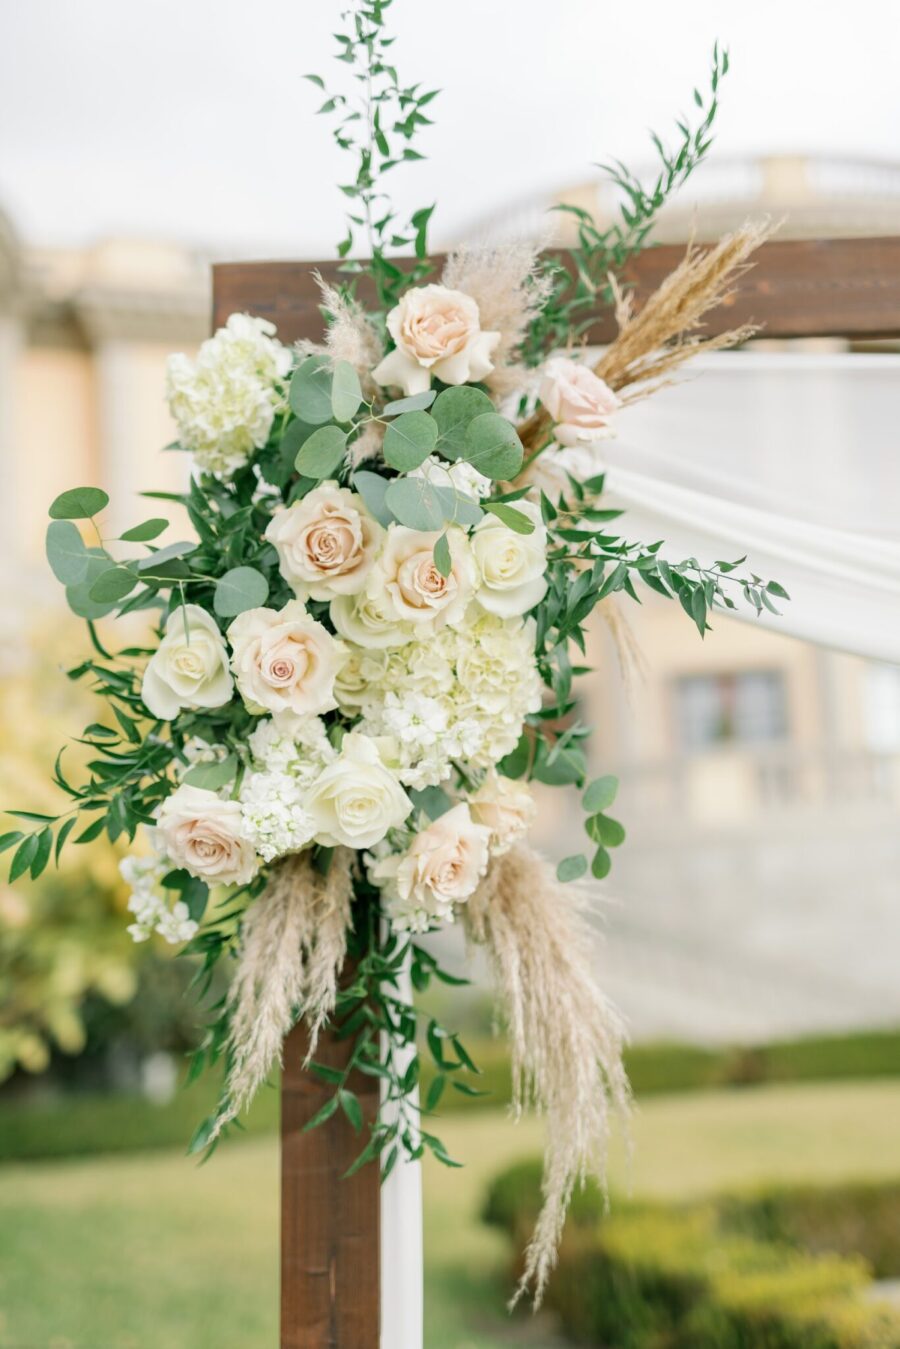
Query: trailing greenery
{"points": [[377, 126], [603, 250]]}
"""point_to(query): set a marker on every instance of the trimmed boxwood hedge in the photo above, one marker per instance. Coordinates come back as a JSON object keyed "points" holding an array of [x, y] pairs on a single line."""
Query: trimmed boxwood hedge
{"points": [[779, 1269]]}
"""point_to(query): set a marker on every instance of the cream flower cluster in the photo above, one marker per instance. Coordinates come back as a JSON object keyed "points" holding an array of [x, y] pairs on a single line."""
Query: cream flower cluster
{"points": [[224, 402], [459, 695]]}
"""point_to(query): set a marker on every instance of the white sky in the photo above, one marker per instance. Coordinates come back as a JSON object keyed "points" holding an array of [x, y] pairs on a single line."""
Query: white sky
{"points": [[188, 119]]}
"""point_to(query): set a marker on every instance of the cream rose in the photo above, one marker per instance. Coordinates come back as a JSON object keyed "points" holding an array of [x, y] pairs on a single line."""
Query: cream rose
{"points": [[284, 662], [356, 800], [190, 666], [407, 574], [326, 542], [437, 332], [511, 566], [369, 621], [579, 401], [506, 808], [444, 864], [205, 835]]}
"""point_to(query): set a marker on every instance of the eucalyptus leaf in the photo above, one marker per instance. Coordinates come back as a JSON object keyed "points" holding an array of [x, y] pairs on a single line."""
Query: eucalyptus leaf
{"points": [[492, 445], [79, 503], [410, 440], [372, 488], [453, 410], [66, 552], [113, 584], [310, 391], [416, 504], [346, 393], [600, 794], [570, 868], [78, 597], [321, 455], [150, 529], [167, 554], [416, 402], [213, 775], [603, 829], [602, 864], [240, 589]]}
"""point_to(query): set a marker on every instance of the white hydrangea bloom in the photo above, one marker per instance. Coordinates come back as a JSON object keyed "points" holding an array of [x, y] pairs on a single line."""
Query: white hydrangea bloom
{"points": [[225, 401], [461, 476], [273, 795], [274, 815], [461, 695], [149, 901]]}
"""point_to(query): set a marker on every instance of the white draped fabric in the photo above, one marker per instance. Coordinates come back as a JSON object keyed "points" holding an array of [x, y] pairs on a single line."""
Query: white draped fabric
{"points": [[792, 459]]}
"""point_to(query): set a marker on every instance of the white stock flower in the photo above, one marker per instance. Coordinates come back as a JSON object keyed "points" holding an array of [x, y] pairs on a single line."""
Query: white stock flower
{"points": [[506, 807], [512, 566], [224, 402], [461, 476], [149, 902], [302, 750], [356, 800], [437, 331], [441, 868], [190, 666], [326, 542], [284, 662], [407, 574], [205, 835], [580, 403]]}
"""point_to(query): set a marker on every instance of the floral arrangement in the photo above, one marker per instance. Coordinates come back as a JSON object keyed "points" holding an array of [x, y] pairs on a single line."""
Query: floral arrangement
{"points": [[365, 655]]}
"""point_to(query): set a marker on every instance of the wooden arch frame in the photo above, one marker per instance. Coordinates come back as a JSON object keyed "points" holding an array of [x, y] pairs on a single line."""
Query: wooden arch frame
{"points": [[330, 1257]]}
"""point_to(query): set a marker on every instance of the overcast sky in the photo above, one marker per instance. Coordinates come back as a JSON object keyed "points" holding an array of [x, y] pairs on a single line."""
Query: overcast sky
{"points": [[188, 119]]}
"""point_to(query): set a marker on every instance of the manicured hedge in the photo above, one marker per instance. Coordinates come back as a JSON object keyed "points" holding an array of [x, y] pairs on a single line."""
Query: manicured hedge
{"points": [[74, 1125], [730, 1274]]}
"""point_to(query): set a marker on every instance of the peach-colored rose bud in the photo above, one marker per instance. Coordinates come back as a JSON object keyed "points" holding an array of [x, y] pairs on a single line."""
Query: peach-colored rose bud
{"points": [[579, 401]]}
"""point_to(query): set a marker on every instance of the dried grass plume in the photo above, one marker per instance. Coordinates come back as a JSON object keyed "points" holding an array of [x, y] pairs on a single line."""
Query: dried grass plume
{"points": [[667, 330], [506, 284], [566, 1037], [293, 945]]}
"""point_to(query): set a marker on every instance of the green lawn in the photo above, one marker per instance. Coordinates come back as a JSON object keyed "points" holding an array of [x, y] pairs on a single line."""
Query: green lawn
{"points": [[148, 1251]]}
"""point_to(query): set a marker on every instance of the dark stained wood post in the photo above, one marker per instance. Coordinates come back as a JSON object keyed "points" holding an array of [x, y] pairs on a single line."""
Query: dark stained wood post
{"points": [[330, 1258]]}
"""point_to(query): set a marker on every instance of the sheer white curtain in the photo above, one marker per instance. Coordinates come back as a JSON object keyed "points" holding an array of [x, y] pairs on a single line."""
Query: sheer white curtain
{"points": [[791, 458]]}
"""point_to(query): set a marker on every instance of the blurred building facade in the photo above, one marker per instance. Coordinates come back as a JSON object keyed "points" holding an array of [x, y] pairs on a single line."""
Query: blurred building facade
{"points": [[761, 776]]}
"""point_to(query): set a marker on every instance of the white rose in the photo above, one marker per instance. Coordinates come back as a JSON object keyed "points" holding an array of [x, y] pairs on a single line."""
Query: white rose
{"points": [[360, 674], [437, 332], [579, 401], [512, 565], [356, 800], [406, 572], [190, 667], [284, 662], [506, 808], [326, 542], [369, 621], [205, 835], [442, 868], [460, 477]]}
